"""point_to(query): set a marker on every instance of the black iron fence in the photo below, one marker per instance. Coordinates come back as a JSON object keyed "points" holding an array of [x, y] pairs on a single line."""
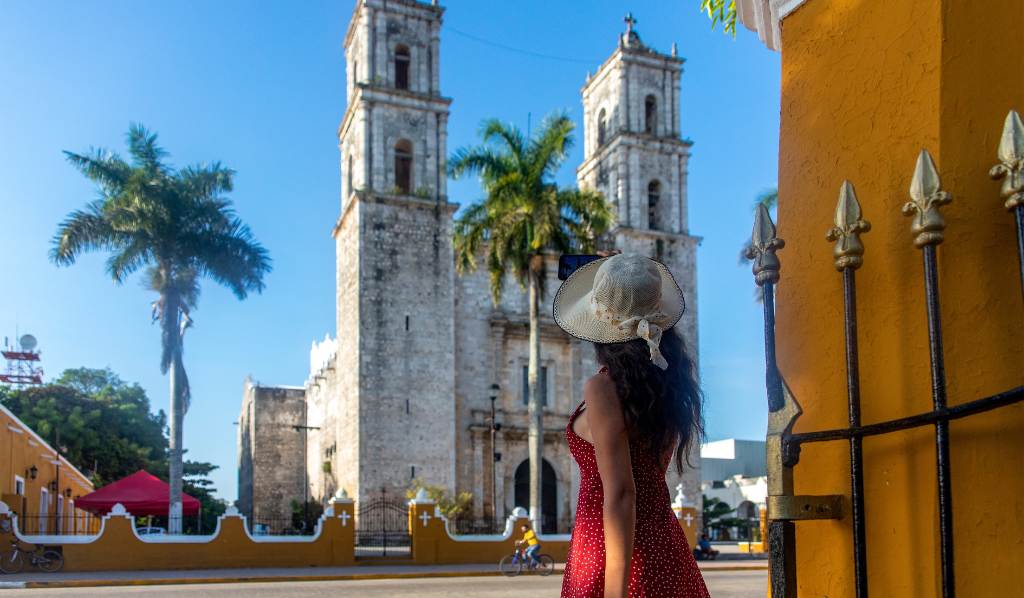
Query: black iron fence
{"points": [[382, 526], [783, 446], [466, 526], [49, 524], [280, 526]]}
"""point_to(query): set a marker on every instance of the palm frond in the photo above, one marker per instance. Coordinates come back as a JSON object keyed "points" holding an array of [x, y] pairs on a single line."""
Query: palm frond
{"points": [[232, 257], [494, 130], [551, 147], [102, 167], [126, 261], [477, 160], [143, 148], [81, 231], [470, 231], [207, 182]]}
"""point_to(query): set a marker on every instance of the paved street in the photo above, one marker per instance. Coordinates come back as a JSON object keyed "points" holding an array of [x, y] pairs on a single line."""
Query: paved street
{"points": [[722, 584]]}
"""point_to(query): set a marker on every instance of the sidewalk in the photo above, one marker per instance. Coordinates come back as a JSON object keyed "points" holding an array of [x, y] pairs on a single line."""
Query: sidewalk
{"points": [[138, 578]]}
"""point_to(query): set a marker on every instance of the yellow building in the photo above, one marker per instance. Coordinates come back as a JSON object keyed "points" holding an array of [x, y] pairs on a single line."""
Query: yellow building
{"points": [[866, 85], [37, 483]]}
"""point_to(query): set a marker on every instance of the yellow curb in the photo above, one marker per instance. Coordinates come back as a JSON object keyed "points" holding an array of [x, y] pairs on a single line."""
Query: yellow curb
{"points": [[168, 581], [94, 583], [734, 568]]}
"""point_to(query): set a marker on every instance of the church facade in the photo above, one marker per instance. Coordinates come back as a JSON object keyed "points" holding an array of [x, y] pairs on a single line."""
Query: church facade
{"points": [[404, 390]]}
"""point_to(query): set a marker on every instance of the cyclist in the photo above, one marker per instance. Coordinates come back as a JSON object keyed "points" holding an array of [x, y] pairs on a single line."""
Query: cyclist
{"points": [[532, 544]]}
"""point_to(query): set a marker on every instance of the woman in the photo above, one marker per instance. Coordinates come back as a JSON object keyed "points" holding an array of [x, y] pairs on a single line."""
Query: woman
{"points": [[640, 412]]}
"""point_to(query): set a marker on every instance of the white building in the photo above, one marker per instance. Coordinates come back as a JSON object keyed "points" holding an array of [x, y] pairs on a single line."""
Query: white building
{"points": [[733, 471], [723, 459]]}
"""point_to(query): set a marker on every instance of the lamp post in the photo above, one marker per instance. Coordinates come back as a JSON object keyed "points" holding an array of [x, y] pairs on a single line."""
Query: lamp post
{"points": [[305, 470], [495, 389]]}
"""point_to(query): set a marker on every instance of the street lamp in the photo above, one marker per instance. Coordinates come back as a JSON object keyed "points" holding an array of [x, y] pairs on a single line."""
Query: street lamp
{"points": [[305, 466], [495, 426]]}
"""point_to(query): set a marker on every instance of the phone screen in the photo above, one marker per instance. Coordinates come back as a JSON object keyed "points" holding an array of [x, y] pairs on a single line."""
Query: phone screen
{"points": [[569, 263]]}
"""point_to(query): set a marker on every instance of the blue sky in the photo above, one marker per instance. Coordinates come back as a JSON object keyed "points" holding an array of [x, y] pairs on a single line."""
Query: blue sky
{"points": [[260, 86]]}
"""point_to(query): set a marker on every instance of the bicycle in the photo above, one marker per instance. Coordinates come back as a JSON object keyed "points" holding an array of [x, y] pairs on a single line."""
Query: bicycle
{"points": [[45, 559], [512, 564]]}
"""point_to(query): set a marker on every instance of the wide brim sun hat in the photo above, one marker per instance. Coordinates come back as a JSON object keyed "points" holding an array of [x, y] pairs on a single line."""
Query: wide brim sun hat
{"points": [[620, 298]]}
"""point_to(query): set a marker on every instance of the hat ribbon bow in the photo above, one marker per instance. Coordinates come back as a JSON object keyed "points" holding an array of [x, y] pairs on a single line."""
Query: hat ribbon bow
{"points": [[649, 332]]}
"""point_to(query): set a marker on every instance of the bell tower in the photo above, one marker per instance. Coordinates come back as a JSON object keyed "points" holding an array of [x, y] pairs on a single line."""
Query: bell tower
{"points": [[634, 155], [395, 412]]}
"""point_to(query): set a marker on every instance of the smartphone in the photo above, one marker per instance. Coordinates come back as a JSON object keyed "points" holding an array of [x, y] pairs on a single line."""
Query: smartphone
{"points": [[569, 263]]}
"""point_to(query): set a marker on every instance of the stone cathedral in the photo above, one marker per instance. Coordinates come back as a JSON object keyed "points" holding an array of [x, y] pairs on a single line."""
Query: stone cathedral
{"points": [[404, 389]]}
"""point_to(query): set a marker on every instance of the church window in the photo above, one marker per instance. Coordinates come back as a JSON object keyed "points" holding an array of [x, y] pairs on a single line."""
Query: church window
{"points": [[602, 128], [403, 166], [542, 383], [412, 472], [402, 67], [355, 72], [653, 196], [650, 114], [348, 175]]}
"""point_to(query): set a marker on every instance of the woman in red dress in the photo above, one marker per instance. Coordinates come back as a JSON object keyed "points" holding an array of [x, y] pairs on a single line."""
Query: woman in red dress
{"points": [[640, 412]]}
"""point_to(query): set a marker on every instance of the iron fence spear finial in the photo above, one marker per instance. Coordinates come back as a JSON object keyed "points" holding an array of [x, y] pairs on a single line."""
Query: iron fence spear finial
{"points": [[763, 245], [926, 196], [1011, 158], [849, 223]]}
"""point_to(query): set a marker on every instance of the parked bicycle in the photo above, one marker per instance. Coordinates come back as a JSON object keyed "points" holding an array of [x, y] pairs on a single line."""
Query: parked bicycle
{"points": [[513, 564], [41, 557]]}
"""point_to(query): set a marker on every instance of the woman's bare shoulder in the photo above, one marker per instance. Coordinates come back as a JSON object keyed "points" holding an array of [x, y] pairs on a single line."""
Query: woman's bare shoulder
{"points": [[599, 394]]}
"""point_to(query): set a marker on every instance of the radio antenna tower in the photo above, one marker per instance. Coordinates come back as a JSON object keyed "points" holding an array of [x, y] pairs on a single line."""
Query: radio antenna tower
{"points": [[22, 362]]}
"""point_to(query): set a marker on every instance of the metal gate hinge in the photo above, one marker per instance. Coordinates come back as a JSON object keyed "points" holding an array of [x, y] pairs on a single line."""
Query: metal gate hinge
{"points": [[797, 508]]}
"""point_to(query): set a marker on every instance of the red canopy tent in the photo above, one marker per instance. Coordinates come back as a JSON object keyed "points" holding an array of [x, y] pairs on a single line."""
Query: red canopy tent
{"points": [[141, 493]]}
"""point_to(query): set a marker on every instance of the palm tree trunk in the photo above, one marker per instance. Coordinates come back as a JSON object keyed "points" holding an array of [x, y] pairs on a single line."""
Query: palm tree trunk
{"points": [[536, 410], [171, 334]]}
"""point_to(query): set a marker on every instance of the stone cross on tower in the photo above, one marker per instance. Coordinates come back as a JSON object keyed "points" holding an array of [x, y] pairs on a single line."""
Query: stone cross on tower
{"points": [[630, 21]]}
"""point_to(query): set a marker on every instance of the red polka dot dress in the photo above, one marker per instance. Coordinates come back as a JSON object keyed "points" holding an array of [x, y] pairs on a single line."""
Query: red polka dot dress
{"points": [[662, 565]]}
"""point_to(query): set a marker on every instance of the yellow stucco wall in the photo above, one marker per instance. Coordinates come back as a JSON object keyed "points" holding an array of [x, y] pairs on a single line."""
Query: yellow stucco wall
{"points": [[432, 545], [866, 85], [20, 450], [118, 548]]}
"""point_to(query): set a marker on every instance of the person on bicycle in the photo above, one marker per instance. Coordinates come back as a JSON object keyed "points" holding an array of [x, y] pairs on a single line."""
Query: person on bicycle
{"points": [[532, 544]]}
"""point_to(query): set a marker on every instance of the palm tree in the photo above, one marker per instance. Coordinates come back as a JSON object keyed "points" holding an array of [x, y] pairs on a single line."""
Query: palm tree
{"points": [[178, 226], [524, 216]]}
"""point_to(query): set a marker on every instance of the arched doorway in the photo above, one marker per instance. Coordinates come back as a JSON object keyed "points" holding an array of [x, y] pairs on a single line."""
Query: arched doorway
{"points": [[548, 493]]}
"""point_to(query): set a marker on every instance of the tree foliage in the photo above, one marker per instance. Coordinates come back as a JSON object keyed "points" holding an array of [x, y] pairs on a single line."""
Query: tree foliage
{"points": [[198, 485], [105, 427], [716, 517], [101, 424], [450, 506], [721, 11]]}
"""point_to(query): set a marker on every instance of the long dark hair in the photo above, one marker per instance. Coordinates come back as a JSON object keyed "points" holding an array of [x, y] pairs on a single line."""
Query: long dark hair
{"points": [[662, 408]]}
